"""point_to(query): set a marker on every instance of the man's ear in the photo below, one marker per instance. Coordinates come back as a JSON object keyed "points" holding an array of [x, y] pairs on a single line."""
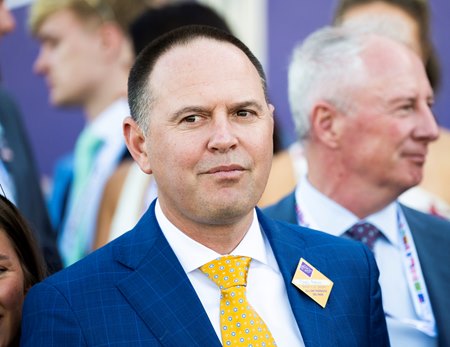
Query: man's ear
{"points": [[326, 124], [113, 41], [137, 144]]}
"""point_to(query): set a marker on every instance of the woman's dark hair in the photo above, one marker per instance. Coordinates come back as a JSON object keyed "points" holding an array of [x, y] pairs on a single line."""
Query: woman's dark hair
{"points": [[17, 230]]}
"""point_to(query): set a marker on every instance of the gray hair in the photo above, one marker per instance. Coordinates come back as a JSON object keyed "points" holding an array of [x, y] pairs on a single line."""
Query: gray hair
{"points": [[327, 66]]}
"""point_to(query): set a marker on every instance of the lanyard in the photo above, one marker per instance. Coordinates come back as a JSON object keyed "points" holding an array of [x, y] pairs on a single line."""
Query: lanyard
{"points": [[416, 283], [413, 271]]}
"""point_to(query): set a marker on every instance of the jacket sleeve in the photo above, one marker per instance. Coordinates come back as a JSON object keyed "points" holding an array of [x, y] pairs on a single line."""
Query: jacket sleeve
{"points": [[48, 319]]}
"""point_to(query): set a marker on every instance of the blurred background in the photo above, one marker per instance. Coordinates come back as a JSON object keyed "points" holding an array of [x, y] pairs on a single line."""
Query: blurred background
{"points": [[269, 27]]}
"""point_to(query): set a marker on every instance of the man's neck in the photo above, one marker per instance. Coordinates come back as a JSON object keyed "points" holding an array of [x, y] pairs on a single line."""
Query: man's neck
{"points": [[222, 238], [94, 107], [355, 195]]}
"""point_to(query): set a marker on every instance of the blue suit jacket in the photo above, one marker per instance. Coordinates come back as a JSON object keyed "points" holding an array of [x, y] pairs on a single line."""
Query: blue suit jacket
{"points": [[432, 240], [134, 292]]}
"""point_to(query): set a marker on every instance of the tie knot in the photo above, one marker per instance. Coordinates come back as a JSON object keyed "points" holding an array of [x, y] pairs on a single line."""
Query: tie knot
{"points": [[228, 271], [365, 232]]}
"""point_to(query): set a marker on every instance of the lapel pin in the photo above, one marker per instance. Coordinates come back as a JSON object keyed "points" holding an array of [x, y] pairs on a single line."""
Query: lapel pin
{"points": [[312, 282]]}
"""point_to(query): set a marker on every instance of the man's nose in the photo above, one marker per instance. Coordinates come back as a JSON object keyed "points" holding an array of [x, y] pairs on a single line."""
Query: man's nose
{"points": [[223, 136], [427, 128], [40, 64]]}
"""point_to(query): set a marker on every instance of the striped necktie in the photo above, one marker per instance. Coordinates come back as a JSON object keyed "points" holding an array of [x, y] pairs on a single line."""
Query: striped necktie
{"points": [[74, 240], [86, 149]]}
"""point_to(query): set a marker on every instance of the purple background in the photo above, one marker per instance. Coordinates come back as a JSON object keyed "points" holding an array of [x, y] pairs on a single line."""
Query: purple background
{"points": [[53, 131]]}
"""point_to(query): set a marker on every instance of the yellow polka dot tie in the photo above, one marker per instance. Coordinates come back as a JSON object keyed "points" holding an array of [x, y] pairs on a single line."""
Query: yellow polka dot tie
{"points": [[240, 325]]}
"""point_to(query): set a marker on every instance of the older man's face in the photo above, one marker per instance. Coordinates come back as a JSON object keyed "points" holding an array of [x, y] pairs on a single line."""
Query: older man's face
{"points": [[210, 133], [387, 135]]}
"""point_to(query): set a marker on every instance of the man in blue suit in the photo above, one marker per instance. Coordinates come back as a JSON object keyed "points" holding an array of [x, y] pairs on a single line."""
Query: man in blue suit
{"points": [[202, 125], [362, 108]]}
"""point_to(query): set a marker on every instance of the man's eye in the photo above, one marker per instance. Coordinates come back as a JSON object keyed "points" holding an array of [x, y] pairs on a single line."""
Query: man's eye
{"points": [[191, 119], [408, 107], [50, 42], [243, 113]]}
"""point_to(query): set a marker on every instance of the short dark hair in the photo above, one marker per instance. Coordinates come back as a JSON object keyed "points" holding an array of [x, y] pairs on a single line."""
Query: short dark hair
{"points": [[420, 12], [158, 21], [17, 230], [139, 97]]}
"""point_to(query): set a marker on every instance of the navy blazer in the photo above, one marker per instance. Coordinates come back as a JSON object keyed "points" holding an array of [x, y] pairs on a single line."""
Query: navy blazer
{"points": [[135, 292], [432, 240], [22, 168]]}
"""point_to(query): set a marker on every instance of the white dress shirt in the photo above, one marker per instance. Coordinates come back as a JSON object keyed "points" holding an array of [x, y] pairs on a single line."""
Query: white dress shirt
{"points": [[266, 290], [321, 213]]}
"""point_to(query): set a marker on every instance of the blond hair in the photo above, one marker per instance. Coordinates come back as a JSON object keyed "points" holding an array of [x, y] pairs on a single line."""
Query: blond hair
{"points": [[121, 12]]}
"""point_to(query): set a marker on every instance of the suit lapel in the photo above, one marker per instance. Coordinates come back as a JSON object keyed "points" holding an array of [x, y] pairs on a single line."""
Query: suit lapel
{"points": [[161, 294], [315, 323], [159, 290]]}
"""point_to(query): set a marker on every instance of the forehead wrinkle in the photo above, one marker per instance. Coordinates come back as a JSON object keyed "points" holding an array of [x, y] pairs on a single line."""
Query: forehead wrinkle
{"points": [[191, 109], [246, 103], [165, 70], [205, 109]]}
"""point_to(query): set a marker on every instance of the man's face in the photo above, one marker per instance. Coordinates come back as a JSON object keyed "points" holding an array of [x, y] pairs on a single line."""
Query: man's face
{"points": [[386, 135], [7, 21], [210, 133], [70, 58]]}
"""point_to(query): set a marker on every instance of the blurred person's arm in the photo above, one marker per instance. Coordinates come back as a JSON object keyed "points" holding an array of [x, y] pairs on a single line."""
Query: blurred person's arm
{"points": [[109, 202]]}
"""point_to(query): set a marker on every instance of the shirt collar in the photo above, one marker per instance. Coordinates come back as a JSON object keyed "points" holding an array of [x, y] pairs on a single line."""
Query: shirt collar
{"points": [[386, 220], [193, 254], [108, 124], [323, 213]]}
